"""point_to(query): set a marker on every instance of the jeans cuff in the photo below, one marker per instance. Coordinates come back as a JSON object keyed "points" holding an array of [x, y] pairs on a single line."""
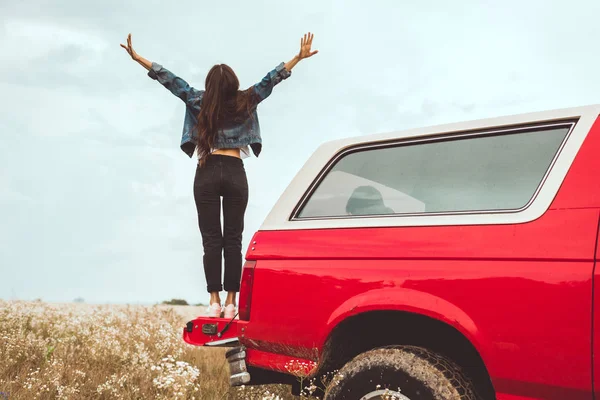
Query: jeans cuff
{"points": [[214, 288], [232, 288]]}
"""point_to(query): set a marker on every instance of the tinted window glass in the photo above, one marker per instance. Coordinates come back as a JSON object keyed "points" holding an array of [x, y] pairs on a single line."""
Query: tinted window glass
{"points": [[476, 173]]}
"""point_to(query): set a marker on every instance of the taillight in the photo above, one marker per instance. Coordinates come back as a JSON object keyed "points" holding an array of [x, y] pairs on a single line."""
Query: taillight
{"points": [[246, 290]]}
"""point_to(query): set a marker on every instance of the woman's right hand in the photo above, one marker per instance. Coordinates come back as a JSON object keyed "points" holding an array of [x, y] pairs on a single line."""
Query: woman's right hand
{"points": [[135, 56], [130, 50]]}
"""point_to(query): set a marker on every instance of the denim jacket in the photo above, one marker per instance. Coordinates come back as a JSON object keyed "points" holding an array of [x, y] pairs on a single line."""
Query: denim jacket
{"points": [[247, 133]]}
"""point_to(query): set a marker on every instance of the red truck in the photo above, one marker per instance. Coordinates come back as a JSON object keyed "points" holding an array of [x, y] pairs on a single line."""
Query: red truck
{"points": [[449, 262]]}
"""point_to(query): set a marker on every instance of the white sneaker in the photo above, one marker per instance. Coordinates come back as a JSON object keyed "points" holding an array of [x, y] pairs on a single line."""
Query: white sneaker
{"points": [[214, 310], [230, 311]]}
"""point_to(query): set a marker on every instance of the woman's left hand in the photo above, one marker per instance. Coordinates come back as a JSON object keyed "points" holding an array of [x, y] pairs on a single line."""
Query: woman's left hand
{"points": [[305, 46], [305, 51]]}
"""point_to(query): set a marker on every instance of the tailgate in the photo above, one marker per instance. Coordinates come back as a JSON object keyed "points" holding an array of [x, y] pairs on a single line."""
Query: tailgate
{"points": [[206, 331]]}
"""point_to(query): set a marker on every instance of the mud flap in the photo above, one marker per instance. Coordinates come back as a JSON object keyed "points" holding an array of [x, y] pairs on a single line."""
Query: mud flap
{"points": [[205, 331]]}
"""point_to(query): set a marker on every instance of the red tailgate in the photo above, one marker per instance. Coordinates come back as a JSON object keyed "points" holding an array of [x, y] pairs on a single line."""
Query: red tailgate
{"points": [[205, 331]]}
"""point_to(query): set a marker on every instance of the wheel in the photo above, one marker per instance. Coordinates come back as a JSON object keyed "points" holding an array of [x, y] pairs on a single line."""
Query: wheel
{"points": [[400, 373]]}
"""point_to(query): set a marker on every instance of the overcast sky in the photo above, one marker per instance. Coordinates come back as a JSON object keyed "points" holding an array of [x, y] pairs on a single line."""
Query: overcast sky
{"points": [[95, 194]]}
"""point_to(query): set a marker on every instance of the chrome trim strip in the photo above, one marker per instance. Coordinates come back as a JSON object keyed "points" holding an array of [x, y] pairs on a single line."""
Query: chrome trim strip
{"points": [[217, 343]]}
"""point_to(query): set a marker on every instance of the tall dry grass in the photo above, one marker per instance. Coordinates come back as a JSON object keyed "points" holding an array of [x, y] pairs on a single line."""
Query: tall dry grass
{"points": [[71, 351]]}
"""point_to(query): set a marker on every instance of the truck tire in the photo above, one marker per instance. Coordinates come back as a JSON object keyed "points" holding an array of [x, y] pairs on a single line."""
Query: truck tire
{"points": [[401, 373]]}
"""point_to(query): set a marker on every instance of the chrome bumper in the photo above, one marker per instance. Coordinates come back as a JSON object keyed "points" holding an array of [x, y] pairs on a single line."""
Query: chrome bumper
{"points": [[238, 371]]}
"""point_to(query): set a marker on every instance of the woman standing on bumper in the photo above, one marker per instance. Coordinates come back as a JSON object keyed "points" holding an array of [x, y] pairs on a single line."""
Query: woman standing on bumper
{"points": [[221, 126]]}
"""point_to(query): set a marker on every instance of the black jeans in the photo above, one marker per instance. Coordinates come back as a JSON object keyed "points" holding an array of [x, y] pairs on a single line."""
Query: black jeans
{"points": [[221, 176]]}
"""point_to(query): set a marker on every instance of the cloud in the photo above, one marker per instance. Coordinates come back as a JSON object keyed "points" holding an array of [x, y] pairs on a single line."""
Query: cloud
{"points": [[96, 195]]}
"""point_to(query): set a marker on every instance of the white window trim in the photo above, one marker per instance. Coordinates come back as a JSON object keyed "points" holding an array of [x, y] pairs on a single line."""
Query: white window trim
{"points": [[280, 216]]}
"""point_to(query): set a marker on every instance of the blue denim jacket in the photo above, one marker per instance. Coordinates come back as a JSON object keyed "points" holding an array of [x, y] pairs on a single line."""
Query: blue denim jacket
{"points": [[247, 133]]}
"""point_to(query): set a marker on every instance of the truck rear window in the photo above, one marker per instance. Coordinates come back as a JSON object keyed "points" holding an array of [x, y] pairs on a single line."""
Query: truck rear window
{"points": [[463, 173]]}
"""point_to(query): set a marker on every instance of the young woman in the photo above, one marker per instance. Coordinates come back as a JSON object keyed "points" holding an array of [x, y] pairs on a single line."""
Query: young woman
{"points": [[221, 126]]}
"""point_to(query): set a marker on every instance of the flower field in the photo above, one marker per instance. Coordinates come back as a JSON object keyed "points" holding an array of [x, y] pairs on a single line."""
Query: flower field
{"points": [[80, 351]]}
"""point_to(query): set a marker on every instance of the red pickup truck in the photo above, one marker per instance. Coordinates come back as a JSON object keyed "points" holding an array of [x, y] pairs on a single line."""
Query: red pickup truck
{"points": [[449, 262]]}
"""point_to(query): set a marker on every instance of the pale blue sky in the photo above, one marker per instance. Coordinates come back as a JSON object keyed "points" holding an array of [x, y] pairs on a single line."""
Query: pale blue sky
{"points": [[95, 195]]}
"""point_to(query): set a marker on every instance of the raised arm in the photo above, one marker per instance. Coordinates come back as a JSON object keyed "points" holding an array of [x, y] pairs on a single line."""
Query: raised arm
{"points": [[264, 88], [169, 80]]}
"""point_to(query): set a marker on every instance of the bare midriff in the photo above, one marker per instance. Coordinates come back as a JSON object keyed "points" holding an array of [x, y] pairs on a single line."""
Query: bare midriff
{"points": [[228, 152]]}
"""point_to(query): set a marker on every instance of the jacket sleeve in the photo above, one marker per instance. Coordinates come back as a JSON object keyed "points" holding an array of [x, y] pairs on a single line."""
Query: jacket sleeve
{"points": [[173, 83], [264, 88]]}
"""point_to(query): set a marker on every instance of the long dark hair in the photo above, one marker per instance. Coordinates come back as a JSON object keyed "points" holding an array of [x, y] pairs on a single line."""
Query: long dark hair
{"points": [[223, 105]]}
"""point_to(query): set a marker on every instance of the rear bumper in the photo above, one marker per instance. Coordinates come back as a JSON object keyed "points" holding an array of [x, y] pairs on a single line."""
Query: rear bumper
{"points": [[220, 332], [238, 370], [246, 366]]}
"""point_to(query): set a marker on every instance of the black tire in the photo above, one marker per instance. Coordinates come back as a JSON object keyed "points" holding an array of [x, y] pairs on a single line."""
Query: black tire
{"points": [[413, 372]]}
